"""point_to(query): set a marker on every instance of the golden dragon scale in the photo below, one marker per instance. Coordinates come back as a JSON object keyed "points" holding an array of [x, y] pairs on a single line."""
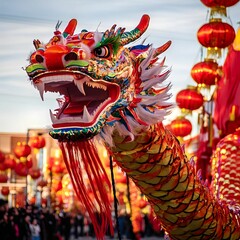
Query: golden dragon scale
{"points": [[117, 95], [186, 208]]}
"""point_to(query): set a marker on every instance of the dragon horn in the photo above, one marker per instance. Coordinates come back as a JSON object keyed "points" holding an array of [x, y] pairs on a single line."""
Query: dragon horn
{"points": [[128, 37], [69, 30]]}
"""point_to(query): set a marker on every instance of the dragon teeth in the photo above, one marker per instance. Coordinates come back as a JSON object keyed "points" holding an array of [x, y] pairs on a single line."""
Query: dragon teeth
{"points": [[96, 85], [40, 88], [79, 84], [86, 115]]}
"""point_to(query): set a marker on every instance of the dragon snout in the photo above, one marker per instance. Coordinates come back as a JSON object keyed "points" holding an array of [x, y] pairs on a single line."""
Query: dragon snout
{"points": [[54, 57], [57, 56]]}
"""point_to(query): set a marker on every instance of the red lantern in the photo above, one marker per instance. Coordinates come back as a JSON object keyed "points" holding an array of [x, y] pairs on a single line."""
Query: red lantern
{"points": [[206, 72], [21, 169], [3, 177], [121, 179], [216, 34], [142, 203], [189, 99], [42, 183], [35, 173], [218, 3], [181, 127], [5, 191], [29, 162], [3, 166], [2, 156], [22, 150], [10, 161], [37, 142]]}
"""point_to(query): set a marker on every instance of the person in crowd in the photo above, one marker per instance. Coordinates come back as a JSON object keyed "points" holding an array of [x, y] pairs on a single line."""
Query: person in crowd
{"points": [[25, 228], [35, 229]]}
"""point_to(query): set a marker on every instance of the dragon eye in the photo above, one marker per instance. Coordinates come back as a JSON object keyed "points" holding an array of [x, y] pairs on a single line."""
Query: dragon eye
{"points": [[103, 52]]}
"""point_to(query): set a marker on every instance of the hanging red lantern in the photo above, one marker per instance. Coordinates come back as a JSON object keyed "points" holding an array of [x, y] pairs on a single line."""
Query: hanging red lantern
{"points": [[218, 3], [21, 169], [22, 150], [5, 191], [10, 161], [216, 34], [206, 72], [181, 127], [3, 177], [121, 179], [35, 173], [37, 142], [189, 99], [2, 156], [142, 203], [29, 162], [42, 183], [3, 166]]}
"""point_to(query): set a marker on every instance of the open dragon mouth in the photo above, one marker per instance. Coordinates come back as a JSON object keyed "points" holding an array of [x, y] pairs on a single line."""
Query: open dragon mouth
{"points": [[83, 100]]}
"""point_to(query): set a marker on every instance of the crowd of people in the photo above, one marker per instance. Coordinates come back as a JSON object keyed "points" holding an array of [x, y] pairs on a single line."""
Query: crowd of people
{"points": [[34, 223]]}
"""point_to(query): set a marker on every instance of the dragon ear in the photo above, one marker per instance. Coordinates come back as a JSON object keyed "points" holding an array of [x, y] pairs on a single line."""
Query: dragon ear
{"points": [[69, 30], [131, 36]]}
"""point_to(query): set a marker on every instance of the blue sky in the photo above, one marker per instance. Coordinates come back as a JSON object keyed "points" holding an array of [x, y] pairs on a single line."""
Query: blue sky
{"points": [[22, 21]]}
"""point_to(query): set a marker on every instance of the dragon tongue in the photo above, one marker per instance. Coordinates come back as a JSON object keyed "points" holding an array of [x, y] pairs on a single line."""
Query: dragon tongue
{"points": [[77, 108]]}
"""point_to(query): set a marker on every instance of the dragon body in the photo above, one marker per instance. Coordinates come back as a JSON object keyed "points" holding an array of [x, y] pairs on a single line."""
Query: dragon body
{"points": [[118, 96]]}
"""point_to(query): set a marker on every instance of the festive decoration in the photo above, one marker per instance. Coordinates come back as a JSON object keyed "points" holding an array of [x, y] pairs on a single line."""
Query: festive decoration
{"points": [[227, 106], [206, 73], [37, 142], [9, 161], [217, 3], [22, 150], [216, 34], [189, 99], [3, 177], [5, 191], [118, 94], [181, 127], [35, 173], [21, 169], [2, 156], [226, 162]]}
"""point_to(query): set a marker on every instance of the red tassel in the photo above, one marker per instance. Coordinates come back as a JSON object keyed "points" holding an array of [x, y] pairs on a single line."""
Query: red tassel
{"points": [[81, 159]]}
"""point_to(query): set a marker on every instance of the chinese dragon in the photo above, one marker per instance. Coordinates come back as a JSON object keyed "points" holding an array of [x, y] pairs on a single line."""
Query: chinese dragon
{"points": [[117, 96]]}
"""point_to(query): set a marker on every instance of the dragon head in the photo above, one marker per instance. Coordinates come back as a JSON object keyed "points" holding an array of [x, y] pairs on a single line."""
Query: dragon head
{"points": [[99, 79]]}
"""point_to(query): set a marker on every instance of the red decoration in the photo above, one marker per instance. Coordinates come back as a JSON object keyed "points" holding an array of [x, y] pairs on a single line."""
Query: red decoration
{"points": [[2, 156], [21, 169], [3, 177], [22, 150], [216, 34], [10, 161], [42, 183], [206, 72], [5, 191], [37, 142], [35, 173], [29, 162], [189, 99], [3, 166], [217, 3], [181, 127], [142, 203]]}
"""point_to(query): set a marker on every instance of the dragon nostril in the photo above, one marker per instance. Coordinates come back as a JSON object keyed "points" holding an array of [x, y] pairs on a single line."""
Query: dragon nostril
{"points": [[39, 58], [71, 56]]}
